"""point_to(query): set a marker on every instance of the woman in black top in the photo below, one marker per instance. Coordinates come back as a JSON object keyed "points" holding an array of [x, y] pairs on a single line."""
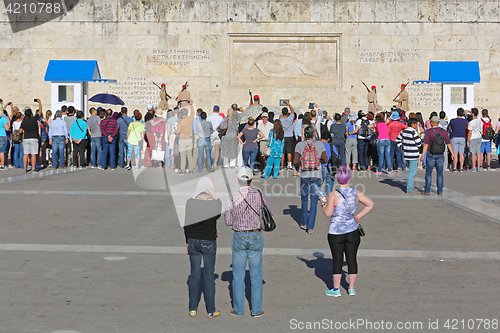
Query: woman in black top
{"points": [[200, 230]]}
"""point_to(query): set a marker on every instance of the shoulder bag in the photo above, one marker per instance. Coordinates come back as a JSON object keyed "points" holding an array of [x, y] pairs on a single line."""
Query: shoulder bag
{"points": [[360, 228], [266, 218]]}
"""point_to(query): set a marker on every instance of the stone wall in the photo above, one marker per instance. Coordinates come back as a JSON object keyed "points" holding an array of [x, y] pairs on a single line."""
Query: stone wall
{"points": [[314, 50]]}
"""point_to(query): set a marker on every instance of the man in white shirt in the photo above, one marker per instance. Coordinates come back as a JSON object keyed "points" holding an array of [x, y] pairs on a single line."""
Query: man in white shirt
{"points": [[265, 126], [474, 139], [216, 119]]}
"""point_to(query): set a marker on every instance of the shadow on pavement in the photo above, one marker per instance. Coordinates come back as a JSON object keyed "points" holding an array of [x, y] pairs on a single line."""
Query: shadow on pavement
{"points": [[323, 269], [228, 277], [394, 183], [295, 212]]}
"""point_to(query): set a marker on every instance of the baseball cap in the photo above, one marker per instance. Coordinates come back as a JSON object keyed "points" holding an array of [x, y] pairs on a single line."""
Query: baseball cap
{"points": [[163, 85], [99, 109], [216, 108], [256, 97], [264, 114], [373, 87], [26, 108], [435, 119], [150, 107], [364, 112], [245, 173]]}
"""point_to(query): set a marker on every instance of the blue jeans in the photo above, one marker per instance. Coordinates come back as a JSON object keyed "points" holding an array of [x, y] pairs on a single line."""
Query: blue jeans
{"points": [[247, 245], [122, 149], [17, 155], [168, 159], [252, 153], [204, 145], [340, 145], [198, 249], [325, 178], [306, 191], [58, 146], [412, 171], [396, 152], [108, 148], [384, 152], [363, 153], [95, 151], [272, 162], [437, 161]]}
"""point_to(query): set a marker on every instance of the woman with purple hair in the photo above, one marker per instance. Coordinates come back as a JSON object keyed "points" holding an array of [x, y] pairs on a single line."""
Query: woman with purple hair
{"points": [[343, 234]]}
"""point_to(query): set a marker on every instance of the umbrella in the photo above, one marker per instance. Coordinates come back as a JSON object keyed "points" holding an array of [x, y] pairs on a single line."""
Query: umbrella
{"points": [[107, 99]]}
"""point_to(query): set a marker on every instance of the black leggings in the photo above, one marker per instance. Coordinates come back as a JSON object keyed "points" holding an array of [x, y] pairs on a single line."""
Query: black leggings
{"points": [[349, 244]]}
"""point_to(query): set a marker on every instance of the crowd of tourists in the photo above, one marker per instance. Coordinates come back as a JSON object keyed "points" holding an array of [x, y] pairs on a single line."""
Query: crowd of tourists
{"points": [[313, 146], [189, 140]]}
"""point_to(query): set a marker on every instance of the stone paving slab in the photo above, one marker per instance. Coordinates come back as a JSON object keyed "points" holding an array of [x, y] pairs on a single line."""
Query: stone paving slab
{"points": [[148, 293], [147, 220]]}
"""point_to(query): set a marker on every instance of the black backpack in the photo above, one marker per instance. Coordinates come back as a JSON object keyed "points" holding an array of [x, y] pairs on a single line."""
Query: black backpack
{"points": [[438, 145], [334, 162], [324, 128], [363, 129]]}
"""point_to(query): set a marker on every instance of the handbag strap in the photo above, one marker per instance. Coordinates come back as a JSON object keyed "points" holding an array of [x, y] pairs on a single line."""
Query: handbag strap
{"points": [[249, 204], [343, 196]]}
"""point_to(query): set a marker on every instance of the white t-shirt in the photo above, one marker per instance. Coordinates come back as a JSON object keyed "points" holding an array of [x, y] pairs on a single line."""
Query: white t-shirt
{"points": [[265, 128], [487, 120], [215, 119], [16, 125], [476, 127]]}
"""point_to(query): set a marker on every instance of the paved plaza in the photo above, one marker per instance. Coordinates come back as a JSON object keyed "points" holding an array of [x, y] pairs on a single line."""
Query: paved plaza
{"points": [[91, 251]]}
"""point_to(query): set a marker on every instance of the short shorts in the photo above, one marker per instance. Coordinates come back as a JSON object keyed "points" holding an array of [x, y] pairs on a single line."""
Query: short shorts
{"points": [[475, 146], [3, 144], [215, 140], [458, 145], [486, 147], [30, 146], [289, 145]]}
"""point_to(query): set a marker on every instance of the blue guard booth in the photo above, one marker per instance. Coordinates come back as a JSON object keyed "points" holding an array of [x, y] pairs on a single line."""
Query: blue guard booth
{"points": [[457, 80], [69, 82]]}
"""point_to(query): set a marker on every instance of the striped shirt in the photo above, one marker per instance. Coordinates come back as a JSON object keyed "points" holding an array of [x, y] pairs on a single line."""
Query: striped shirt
{"points": [[109, 126], [238, 213], [409, 141]]}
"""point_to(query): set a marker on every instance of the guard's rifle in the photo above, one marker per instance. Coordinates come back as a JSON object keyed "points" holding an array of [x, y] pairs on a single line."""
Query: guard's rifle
{"points": [[400, 91], [168, 96], [365, 86]]}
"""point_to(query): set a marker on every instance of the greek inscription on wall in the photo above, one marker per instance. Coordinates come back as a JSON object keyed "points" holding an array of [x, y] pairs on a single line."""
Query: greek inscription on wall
{"points": [[136, 90], [388, 56], [179, 57], [424, 95]]}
